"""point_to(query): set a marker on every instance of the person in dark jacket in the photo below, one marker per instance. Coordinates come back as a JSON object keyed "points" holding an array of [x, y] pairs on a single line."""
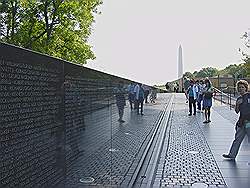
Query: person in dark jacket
{"points": [[192, 92], [243, 124], [139, 97], [120, 101]]}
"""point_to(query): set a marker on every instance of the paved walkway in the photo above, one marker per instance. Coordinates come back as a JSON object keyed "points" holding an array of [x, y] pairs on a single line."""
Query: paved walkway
{"points": [[191, 156]]}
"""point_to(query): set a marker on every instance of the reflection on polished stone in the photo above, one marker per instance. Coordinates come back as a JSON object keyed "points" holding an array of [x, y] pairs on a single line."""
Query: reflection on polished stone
{"points": [[87, 180], [113, 150], [199, 185]]}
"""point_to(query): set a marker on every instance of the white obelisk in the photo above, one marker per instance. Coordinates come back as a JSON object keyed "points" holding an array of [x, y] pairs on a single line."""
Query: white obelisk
{"points": [[180, 64]]}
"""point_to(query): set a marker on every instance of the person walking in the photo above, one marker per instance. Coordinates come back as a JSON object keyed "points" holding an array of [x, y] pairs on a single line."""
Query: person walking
{"points": [[131, 95], [192, 96], [120, 101], [146, 92], [139, 97], [243, 124], [207, 99]]}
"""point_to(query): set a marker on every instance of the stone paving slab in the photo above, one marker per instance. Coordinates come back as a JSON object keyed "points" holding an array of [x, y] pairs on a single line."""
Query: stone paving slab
{"points": [[188, 158], [218, 133], [211, 140]]}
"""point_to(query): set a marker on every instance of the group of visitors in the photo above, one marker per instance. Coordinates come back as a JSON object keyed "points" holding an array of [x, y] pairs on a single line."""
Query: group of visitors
{"points": [[198, 92], [201, 92], [137, 94], [199, 95]]}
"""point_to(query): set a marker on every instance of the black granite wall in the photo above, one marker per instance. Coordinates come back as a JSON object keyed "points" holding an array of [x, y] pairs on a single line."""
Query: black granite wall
{"points": [[43, 105]]}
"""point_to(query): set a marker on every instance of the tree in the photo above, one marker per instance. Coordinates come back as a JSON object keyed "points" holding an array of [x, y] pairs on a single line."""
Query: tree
{"points": [[231, 69], [188, 75], [237, 71], [247, 67], [206, 72], [55, 27], [245, 56]]}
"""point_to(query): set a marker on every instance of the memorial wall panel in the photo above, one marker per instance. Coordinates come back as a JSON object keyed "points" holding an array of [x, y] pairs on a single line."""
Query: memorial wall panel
{"points": [[54, 117], [31, 131], [83, 96]]}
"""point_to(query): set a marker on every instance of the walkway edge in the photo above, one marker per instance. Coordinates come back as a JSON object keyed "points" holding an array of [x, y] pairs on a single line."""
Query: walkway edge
{"points": [[134, 177], [160, 142]]}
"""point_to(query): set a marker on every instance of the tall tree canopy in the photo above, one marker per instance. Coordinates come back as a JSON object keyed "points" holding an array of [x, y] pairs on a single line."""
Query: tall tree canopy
{"points": [[206, 72], [188, 75], [55, 27], [237, 71], [246, 55]]}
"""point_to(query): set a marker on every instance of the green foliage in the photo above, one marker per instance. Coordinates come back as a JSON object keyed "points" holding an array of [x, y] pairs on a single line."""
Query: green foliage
{"points": [[245, 56], [188, 75], [230, 70], [247, 68], [55, 27], [206, 72], [237, 71]]}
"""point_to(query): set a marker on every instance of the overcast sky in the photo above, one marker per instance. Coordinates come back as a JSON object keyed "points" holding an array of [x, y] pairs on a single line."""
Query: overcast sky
{"points": [[139, 39]]}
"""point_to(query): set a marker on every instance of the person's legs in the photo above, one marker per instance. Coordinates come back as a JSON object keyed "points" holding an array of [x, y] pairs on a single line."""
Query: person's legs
{"points": [[208, 114], [239, 136], [146, 96], [131, 104], [130, 97], [137, 106], [120, 111], [190, 100], [194, 106], [202, 104], [141, 107], [199, 103]]}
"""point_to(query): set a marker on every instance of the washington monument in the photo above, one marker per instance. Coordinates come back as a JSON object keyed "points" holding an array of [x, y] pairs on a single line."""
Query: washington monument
{"points": [[180, 64]]}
